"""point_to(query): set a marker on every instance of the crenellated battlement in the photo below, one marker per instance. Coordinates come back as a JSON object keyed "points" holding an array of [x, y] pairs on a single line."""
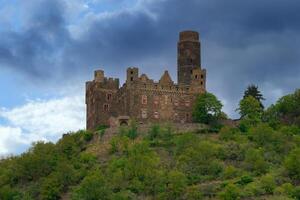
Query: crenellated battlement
{"points": [[145, 99]]}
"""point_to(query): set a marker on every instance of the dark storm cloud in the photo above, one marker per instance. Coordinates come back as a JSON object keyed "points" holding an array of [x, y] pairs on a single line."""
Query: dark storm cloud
{"points": [[243, 42], [34, 49]]}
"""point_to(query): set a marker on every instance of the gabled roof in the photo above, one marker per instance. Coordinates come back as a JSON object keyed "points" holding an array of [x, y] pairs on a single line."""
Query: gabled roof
{"points": [[166, 79]]}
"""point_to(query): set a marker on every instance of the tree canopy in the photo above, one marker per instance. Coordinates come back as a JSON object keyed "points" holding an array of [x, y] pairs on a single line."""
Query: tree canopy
{"points": [[252, 90], [207, 108]]}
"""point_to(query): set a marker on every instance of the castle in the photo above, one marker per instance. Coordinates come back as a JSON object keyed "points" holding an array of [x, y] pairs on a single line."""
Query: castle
{"points": [[144, 99]]}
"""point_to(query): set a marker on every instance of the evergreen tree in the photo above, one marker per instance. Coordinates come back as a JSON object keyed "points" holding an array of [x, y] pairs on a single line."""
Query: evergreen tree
{"points": [[252, 90]]}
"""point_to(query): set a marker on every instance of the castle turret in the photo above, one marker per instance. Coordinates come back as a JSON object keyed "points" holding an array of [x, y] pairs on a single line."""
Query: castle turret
{"points": [[188, 56], [132, 74]]}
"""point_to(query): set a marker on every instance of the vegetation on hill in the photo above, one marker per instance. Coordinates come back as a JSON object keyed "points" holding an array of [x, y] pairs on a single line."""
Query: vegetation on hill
{"points": [[258, 159]]}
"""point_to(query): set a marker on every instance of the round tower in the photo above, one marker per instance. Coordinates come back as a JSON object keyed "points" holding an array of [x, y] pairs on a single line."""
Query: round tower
{"points": [[188, 56]]}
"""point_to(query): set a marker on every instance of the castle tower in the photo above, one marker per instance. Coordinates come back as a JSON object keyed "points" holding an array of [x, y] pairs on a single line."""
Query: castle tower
{"points": [[188, 56]]}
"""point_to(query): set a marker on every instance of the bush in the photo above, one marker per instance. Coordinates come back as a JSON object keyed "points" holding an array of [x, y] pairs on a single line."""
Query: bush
{"points": [[51, 188], [93, 187], [177, 183], [88, 135], [230, 172], [255, 162], [8, 193], [292, 163], [268, 184], [228, 133], [244, 180], [230, 192]]}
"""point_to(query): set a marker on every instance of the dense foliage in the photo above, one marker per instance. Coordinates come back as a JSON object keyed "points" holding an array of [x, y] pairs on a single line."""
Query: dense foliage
{"points": [[252, 90], [207, 108], [258, 162]]}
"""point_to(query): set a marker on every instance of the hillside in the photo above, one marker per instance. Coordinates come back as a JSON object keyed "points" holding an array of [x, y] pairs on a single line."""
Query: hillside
{"points": [[257, 159]]}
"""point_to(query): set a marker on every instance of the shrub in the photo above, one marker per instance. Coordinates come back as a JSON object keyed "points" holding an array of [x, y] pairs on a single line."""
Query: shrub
{"points": [[228, 133], [88, 135], [254, 161], [244, 180], [101, 127], [51, 188], [230, 172], [193, 193], [230, 192], [93, 187], [154, 131], [177, 183], [292, 163], [268, 184], [8, 193]]}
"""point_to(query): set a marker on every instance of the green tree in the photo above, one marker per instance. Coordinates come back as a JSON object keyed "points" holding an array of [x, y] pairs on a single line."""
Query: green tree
{"points": [[292, 163], [249, 108], [207, 108], [51, 188], [176, 184], [252, 90], [93, 187]]}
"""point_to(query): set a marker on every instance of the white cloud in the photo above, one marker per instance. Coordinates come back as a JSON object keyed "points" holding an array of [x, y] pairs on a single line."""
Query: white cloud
{"points": [[13, 140], [40, 120]]}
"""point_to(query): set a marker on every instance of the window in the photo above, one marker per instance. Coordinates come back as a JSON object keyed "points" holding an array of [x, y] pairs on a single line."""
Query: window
{"points": [[131, 78], [106, 107], [144, 99], [196, 76], [201, 83], [156, 115], [131, 72], [202, 76], [108, 96], [144, 113]]}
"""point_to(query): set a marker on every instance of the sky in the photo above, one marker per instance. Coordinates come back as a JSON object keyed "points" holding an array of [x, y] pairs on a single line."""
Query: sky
{"points": [[50, 48]]}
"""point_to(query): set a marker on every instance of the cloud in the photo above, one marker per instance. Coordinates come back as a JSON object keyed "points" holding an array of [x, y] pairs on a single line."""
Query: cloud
{"points": [[242, 42], [40, 120]]}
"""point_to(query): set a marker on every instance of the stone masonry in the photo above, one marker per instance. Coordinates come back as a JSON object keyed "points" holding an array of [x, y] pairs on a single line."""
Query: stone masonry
{"points": [[144, 99]]}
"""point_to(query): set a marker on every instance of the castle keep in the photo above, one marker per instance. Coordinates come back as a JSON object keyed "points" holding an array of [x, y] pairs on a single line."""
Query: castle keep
{"points": [[144, 99]]}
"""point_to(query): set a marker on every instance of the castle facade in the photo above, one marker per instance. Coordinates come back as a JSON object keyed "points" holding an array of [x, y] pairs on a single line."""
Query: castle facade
{"points": [[144, 99]]}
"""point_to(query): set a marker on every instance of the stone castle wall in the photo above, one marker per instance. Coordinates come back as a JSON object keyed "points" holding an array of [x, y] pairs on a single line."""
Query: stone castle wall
{"points": [[145, 100]]}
